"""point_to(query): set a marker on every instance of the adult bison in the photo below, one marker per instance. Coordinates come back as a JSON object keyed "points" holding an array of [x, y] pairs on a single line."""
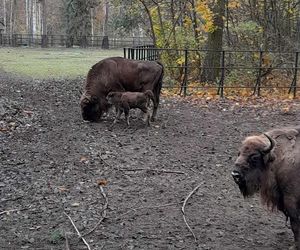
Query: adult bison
{"points": [[270, 163], [119, 74]]}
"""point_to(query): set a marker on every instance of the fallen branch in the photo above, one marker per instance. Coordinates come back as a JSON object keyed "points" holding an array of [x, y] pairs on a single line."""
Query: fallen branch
{"points": [[78, 233], [153, 169], [149, 207], [13, 210], [183, 212], [9, 211], [103, 212]]}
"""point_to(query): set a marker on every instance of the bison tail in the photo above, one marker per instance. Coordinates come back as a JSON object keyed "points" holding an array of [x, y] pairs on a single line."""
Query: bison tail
{"points": [[158, 86]]}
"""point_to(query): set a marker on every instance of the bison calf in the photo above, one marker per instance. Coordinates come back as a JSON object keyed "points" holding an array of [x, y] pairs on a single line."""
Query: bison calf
{"points": [[119, 74], [124, 101], [270, 164]]}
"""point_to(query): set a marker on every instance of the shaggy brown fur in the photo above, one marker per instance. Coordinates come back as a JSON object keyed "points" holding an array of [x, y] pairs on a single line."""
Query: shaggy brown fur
{"points": [[119, 74], [272, 166], [124, 101]]}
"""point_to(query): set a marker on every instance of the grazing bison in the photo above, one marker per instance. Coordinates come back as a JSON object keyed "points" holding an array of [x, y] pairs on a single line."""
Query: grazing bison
{"points": [[124, 101], [119, 74], [270, 163]]}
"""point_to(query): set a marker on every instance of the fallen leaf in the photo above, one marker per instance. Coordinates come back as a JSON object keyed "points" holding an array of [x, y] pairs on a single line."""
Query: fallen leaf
{"points": [[102, 182], [63, 189], [28, 112], [83, 159]]}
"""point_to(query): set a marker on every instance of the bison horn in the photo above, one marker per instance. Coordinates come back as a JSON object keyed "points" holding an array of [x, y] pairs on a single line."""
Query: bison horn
{"points": [[272, 144]]}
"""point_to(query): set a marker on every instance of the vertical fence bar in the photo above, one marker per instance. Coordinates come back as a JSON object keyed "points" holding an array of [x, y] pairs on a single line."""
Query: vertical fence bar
{"points": [[147, 53], [184, 84], [128, 54], [124, 52], [294, 82], [295, 74], [258, 80], [221, 82]]}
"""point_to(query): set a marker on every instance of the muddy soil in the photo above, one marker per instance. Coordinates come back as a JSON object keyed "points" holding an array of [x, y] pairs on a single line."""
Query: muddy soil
{"points": [[54, 164]]}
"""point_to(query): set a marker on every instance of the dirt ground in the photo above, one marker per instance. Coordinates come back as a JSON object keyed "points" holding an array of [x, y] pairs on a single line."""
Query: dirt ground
{"points": [[54, 164]]}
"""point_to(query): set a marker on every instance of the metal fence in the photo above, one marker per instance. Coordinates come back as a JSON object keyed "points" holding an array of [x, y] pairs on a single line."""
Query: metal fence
{"points": [[33, 40], [258, 67]]}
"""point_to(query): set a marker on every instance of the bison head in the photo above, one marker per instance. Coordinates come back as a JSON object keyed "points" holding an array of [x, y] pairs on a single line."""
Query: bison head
{"points": [[90, 107], [251, 163]]}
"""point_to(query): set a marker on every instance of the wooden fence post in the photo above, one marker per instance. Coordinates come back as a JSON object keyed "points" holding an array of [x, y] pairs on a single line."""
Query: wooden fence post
{"points": [[185, 76], [294, 82], [221, 82], [258, 79]]}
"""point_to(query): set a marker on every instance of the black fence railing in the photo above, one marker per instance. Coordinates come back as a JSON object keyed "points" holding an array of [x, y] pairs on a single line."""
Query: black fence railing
{"points": [[259, 68], [33, 40]]}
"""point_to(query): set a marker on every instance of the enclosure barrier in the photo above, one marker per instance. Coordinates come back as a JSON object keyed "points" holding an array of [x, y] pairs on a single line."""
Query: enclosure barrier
{"points": [[259, 61], [105, 42]]}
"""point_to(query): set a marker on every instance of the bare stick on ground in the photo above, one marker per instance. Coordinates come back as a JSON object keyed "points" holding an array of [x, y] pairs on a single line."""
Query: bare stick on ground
{"points": [[103, 212], [154, 170], [78, 233], [183, 212], [9, 211], [149, 207], [13, 210]]}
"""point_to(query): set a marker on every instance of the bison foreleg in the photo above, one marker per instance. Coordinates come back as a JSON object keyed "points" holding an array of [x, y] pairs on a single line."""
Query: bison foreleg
{"points": [[295, 224]]}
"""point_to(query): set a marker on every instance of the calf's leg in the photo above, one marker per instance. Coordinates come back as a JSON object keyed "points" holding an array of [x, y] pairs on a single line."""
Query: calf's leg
{"points": [[126, 111], [146, 112], [118, 115]]}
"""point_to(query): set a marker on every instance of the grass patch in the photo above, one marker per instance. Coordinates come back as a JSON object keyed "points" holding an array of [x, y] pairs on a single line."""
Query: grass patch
{"points": [[52, 62]]}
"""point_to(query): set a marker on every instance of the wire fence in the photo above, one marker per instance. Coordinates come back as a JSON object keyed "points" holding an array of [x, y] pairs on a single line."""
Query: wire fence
{"points": [[254, 70], [105, 42]]}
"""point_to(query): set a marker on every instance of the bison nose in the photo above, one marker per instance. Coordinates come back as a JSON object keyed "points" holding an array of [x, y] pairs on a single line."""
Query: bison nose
{"points": [[237, 176]]}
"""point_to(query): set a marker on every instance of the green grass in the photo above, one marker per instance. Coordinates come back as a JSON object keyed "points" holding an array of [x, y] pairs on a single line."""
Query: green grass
{"points": [[52, 63]]}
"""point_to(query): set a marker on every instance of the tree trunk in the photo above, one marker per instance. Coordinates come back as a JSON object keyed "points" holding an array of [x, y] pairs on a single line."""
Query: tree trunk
{"points": [[214, 45], [12, 21], [27, 15], [44, 24], [151, 22], [105, 27], [160, 23], [195, 23], [4, 16], [92, 25]]}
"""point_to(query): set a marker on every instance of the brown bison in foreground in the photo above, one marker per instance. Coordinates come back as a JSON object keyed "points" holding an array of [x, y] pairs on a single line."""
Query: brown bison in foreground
{"points": [[124, 101], [270, 163], [119, 74]]}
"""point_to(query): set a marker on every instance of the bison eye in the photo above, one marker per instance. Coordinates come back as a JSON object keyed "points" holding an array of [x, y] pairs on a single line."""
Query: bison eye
{"points": [[255, 158]]}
